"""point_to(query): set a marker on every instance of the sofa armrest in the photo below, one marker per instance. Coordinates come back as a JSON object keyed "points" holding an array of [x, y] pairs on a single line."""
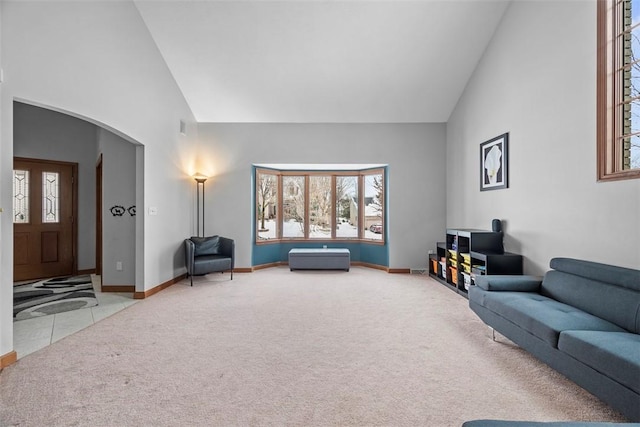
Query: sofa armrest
{"points": [[509, 283]]}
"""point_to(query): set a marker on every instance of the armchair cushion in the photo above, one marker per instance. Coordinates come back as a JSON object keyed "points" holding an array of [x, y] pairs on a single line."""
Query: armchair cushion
{"points": [[206, 245]]}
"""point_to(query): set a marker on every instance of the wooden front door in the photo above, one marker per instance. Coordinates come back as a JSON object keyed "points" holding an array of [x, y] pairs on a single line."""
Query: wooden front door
{"points": [[44, 207]]}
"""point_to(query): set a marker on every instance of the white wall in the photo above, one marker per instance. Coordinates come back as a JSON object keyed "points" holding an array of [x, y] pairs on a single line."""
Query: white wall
{"points": [[119, 189], [414, 153], [96, 60], [44, 134], [537, 81]]}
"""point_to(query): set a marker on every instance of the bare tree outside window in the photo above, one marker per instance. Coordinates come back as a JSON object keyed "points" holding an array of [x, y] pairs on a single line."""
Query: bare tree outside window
{"points": [[618, 89], [631, 78], [347, 206], [374, 206], [267, 186], [317, 205], [320, 204], [293, 206]]}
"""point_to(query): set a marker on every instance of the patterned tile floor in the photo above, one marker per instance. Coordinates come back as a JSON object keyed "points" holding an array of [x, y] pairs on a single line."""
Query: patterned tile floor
{"points": [[33, 334]]}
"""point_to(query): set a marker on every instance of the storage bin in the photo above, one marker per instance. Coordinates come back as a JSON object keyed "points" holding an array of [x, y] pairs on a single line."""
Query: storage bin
{"points": [[467, 280], [434, 266], [454, 275], [443, 269]]}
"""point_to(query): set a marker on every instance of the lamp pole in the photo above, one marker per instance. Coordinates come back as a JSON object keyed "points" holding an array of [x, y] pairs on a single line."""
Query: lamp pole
{"points": [[200, 179]]}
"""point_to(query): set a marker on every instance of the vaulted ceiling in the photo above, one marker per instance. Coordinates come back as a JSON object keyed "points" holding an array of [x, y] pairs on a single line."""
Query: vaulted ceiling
{"points": [[309, 61]]}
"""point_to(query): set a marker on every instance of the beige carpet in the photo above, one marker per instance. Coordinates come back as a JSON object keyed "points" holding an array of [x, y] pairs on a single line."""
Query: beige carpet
{"points": [[275, 348]]}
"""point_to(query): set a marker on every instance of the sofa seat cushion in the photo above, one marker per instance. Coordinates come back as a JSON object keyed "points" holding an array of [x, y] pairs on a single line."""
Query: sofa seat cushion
{"points": [[207, 263], [543, 317], [614, 354]]}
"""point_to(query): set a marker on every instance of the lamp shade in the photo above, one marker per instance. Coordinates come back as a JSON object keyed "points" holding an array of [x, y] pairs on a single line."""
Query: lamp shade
{"points": [[200, 178]]}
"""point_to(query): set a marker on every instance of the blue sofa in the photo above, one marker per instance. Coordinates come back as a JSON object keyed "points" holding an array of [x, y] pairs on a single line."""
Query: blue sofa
{"points": [[582, 319], [507, 423]]}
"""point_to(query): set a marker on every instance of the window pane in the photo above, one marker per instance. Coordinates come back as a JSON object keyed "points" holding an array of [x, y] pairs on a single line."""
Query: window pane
{"points": [[347, 206], [632, 73], [631, 149], [631, 78], [373, 207], [20, 197], [266, 207], [635, 12], [618, 81], [320, 207], [50, 199], [293, 206]]}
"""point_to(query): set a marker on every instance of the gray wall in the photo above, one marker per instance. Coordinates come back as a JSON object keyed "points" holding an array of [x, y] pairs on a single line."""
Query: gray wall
{"points": [[537, 80], [119, 188], [414, 153], [44, 134]]}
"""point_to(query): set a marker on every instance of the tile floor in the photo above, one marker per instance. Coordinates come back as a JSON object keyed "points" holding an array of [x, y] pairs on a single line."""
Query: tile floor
{"points": [[33, 334]]}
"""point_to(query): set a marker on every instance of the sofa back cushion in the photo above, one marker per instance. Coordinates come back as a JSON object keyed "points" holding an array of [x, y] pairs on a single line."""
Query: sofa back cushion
{"points": [[609, 292], [206, 245]]}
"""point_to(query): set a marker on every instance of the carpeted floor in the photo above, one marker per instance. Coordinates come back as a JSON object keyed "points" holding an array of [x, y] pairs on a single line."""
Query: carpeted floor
{"points": [[275, 347], [51, 296]]}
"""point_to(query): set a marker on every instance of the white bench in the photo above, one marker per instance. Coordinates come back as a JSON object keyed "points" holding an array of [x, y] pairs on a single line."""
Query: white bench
{"points": [[319, 259]]}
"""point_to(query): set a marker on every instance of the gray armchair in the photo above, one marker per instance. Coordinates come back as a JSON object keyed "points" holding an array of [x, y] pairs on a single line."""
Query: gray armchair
{"points": [[205, 255]]}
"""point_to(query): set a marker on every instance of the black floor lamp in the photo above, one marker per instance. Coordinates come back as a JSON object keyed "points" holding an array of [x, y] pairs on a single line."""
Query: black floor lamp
{"points": [[200, 180]]}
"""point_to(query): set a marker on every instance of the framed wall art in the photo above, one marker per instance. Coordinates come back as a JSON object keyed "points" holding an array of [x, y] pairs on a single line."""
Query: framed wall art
{"points": [[494, 163]]}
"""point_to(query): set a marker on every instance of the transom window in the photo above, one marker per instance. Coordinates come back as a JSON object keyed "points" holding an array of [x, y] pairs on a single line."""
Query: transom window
{"points": [[618, 89], [319, 205]]}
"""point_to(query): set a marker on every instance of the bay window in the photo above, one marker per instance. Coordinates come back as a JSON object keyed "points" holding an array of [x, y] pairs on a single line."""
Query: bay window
{"points": [[319, 205]]}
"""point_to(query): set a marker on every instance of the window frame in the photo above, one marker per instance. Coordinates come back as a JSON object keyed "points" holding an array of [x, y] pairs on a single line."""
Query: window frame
{"points": [[610, 93], [334, 174]]}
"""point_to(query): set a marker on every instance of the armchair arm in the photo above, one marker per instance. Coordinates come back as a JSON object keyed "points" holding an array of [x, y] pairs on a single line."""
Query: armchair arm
{"points": [[509, 283], [228, 248], [189, 251]]}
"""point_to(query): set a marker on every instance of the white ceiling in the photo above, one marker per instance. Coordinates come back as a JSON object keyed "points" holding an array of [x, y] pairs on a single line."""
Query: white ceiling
{"points": [[308, 61]]}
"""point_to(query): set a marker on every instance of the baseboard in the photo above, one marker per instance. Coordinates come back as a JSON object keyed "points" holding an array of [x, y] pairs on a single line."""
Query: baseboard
{"points": [[155, 290], [399, 270], [118, 288], [353, 264], [87, 271], [8, 359], [368, 265], [243, 270], [269, 265]]}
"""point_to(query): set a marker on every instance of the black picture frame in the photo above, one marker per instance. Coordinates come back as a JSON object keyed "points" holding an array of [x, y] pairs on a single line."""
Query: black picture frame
{"points": [[494, 163]]}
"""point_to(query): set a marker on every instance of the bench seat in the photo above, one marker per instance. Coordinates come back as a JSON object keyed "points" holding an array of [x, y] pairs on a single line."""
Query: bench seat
{"points": [[319, 259]]}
